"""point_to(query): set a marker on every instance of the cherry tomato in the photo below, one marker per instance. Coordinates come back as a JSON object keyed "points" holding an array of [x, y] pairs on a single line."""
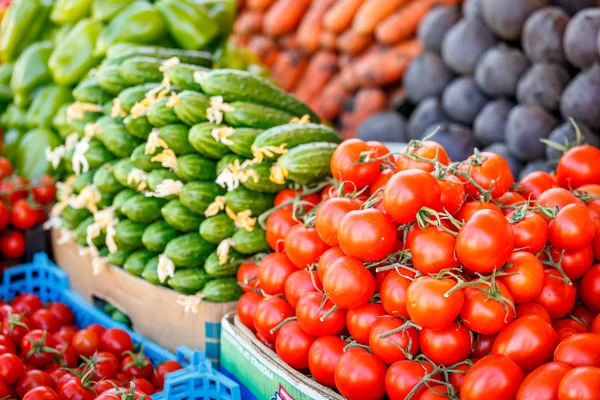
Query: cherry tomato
{"points": [[74, 390], [300, 282], [136, 365], [427, 149], [105, 385], [525, 276], [247, 275], [573, 227], [394, 347], [278, 225], [446, 346], [45, 192], [293, 344], [270, 312], [4, 216], [22, 216], [118, 394], [402, 376], [579, 350], [143, 386], [158, 376], [309, 316], [574, 263], [327, 259], [530, 232], [490, 171], [32, 379], [596, 325], [345, 165], [470, 208], [116, 341], [432, 249], [303, 246], [12, 245], [65, 334], [99, 329], [536, 183], [105, 365], [68, 355], [359, 320], [15, 326], [45, 320], [6, 168], [360, 375], [348, 283], [7, 343], [533, 309], [39, 348], [62, 312], [41, 393], [323, 357], [427, 303], [487, 310], [493, 377], [556, 296], [452, 194], [369, 235], [11, 368], [14, 189], [590, 288], [578, 167], [26, 303], [246, 308], [407, 192], [85, 342], [485, 243], [582, 383], [273, 272], [393, 292], [542, 383], [287, 194]]}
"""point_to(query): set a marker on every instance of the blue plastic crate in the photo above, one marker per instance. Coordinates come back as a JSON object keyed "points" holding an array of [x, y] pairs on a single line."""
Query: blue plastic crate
{"points": [[198, 381]]}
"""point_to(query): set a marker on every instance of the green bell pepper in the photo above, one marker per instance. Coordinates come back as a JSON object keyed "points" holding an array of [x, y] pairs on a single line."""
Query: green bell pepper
{"points": [[10, 141], [30, 159], [73, 56], [6, 71], [13, 117], [105, 10], [68, 11], [190, 26], [23, 22], [45, 104], [139, 23], [223, 12], [30, 72]]}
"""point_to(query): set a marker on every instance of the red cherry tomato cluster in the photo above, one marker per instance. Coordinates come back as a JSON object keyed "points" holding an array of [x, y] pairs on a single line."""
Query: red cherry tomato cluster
{"points": [[416, 277], [43, 356], [21, 208]]}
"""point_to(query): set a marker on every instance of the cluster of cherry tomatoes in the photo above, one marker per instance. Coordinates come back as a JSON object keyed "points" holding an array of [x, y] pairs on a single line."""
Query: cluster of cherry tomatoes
{"points": [[21, 208], [43, 356], [415, 277]]}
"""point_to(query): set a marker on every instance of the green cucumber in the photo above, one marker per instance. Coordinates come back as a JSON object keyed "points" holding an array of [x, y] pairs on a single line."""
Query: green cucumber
{"points": [[201, 139], [189, 250], [140, 70], [293, 135], [137, 261], [242, 199], [157, 235], [109, 79], [222, 290], [180, 218], [72, 217], [118, 54], [141, 208], [135, 94], [106, 123], [197, 196], [264, 183], [242, 139], [128, 234], [250, 242], [139, 127], [228, 82], [89, 91], [122, 170], [119, 141], [157, 176], [182, 76], [256, 116], [228, 269], [308, 163], [121, 198], [143, 161], [217, 228], [118, 257], [106, 200], [96, 155], [195, 167], [84, 179], [105, 181], [227, 160], [81, 233], [192, 106], [176, 137], [160, 115], [151, 272], [189, 281]]}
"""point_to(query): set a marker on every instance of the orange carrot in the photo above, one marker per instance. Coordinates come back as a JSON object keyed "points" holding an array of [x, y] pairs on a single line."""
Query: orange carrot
{"points": [[288, 42], [339, 17], [330, 101], [373, 12], [322, 66], [261, 5], [327, 40], [386, 67], [403, 24], [351, 42], [288, 68], [265, 48], [284, 16], [312, 25], [348, 78], [249, 22], [367, 102]]}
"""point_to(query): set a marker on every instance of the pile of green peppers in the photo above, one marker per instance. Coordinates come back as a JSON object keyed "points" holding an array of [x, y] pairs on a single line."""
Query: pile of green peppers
{"points": [[48, 47]]}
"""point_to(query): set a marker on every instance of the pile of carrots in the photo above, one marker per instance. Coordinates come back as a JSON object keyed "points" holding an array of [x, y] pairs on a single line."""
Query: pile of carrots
{"points": [[345, 58]]}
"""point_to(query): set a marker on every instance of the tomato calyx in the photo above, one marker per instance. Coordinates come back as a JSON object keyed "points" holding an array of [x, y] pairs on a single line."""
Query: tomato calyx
{"points": [[425, 220], [395, 261], [130, 393], [14, 320], [556, 264], [137, 360], [585, 196], [39, 347], [549, 213]]}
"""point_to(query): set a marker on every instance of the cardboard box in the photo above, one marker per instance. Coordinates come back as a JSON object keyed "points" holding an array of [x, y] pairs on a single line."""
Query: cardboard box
{"points": [[260, 371], [153, 310]]}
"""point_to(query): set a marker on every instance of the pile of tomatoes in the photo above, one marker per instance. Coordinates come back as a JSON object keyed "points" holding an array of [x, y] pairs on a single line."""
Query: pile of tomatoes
{"points": [[21, 208], [415, 277], [43, 356]]}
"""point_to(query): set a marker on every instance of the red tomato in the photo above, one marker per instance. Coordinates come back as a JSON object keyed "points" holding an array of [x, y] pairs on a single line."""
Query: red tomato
{"points": [[402, 376], [105, 365], [345, 165], [543, 382], [65, 334], [359, 320], [452, 194], [323, 357], [573, 227], [381, 180], [32, 379], [487, 313], [246, 308], [578, 167], [13, 189], [533, 309], [579, 350], [26, 303], [309, 316], [22, 216], [529, 341], [99, 329], [556, 296], [482, 345], [470, 208], [68, 355], [12, 245], [8, 344], [293, 344], [510, 199], [360, 375], [64, 380], [394, 347], [525, 276], [530, 232], [45, 320], [300, 282], [582, 383], [427, 303], [420, 151], [273, 272], [105, 385], [584, 315], [446, 346], [592, 201], [348, 283], [11, 368], [74, 390], [278, 225], [493, 377], [247, 275], [85, 342], [490, 171], [15, 326], [158, 376], [116, 341], [393, 292], [4, 216], [536, 183], [329, 216], [590, 288], [118, 394], [270, 312], [6, 168], [574, 263], [485, 243], [457, 378], [569, 323], [369, 235], [303, 246], [308, 202], [143, 386], [432, 249], [45, 192], [41, 393], [62, 312], [596, 325], [327, 259], [39, 348], [557, 197], [407, 192], [136, 365]]}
